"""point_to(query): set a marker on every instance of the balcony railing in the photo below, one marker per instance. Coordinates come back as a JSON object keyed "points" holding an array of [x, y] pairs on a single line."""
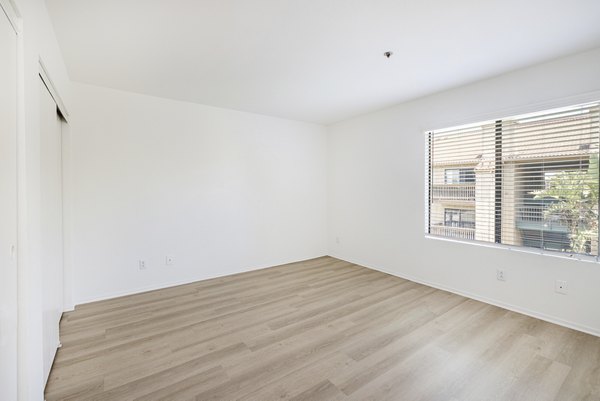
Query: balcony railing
{"points": [[454, 192], [530, 213], [535, 218], [453, 232]]}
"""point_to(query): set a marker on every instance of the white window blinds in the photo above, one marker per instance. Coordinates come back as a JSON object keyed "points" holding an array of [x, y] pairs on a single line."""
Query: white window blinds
{"points": [[528, 181]]}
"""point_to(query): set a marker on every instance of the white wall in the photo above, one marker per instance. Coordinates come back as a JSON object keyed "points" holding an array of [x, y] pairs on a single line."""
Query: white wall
{"points": [[376, 176], [8, 211], [36, 41], [219, 190]]}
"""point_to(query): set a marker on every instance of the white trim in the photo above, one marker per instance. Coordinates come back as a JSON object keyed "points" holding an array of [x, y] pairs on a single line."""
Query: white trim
{"points": [[538, 315], [154, 287], [45, 76], [12, 13], [518, 248], [67, 207], [145, 288]]}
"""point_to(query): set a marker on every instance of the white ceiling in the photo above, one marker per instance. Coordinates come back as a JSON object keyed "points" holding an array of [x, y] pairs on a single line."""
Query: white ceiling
{"points": [[312, 60]]}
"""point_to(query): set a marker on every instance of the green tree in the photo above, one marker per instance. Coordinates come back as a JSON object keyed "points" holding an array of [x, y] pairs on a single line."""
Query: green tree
{"points": [[574, 203]]}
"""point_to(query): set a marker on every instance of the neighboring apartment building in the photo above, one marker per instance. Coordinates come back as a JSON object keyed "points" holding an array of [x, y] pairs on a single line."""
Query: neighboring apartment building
{"points": [[493, 181]]}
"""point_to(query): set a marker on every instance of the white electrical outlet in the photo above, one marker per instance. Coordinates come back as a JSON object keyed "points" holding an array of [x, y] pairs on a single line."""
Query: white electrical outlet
{"points": [[142, 264], [500, 275], [337, 240], [561, 287], [169, 260]]}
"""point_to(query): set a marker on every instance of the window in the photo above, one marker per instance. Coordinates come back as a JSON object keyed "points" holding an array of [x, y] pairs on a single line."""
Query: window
{"points": [[529, 180], [459, 218], [459, 176]]}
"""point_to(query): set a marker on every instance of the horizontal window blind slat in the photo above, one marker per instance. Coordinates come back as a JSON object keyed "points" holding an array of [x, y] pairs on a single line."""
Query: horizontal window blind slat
{"points": [[527, 181]]}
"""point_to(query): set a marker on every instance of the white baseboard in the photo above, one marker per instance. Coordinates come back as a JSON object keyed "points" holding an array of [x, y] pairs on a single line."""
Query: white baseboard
{"points": [[515, 308], [139, 290], [160, 286]]}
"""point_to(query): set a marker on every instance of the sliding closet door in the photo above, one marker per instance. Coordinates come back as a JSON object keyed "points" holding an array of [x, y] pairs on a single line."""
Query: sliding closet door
{"points": [[8, 210], [51, 219]]}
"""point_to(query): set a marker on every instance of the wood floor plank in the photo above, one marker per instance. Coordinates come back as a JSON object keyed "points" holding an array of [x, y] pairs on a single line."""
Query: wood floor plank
{"points": [[322, 329], [320, 391]]}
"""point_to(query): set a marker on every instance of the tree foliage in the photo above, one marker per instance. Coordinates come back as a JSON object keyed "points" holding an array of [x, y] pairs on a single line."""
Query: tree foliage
{"points": [[574, 203]]}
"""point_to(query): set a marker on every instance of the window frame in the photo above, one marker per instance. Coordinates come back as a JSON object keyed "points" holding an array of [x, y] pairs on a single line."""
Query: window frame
{"points": [[590, 99]]}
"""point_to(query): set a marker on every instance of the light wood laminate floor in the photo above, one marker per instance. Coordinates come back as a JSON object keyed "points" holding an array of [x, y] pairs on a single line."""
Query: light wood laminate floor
{"points": [[322, 329]]}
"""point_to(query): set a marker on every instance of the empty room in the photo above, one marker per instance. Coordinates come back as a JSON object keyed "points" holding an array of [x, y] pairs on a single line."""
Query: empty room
{"points": [[326, 200]]}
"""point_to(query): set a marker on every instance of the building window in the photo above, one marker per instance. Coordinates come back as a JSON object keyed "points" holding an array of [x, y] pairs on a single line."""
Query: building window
{"points": [[459, 175], [529, 180], [461, 218]]}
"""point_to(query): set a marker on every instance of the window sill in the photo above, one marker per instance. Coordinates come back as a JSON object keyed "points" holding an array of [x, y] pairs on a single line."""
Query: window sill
{"points": [[535, 251]]}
